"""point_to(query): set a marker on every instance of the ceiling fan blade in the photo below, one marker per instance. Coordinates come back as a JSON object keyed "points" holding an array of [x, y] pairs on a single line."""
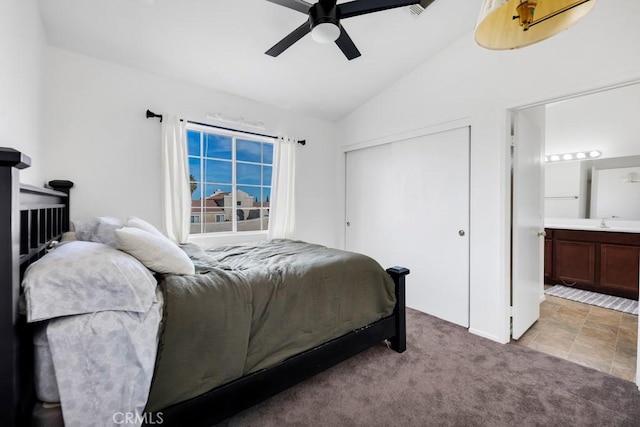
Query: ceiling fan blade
{"points": [[299, 5], [346, 45], [361, 7], [289, 40]]}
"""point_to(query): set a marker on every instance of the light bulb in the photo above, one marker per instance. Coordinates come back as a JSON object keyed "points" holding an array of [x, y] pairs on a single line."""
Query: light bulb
{"points": [[325, 32], [554, 158]]}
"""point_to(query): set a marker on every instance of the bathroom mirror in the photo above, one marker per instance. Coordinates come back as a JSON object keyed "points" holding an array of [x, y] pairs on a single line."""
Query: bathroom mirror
{"points": [[602, 187]]}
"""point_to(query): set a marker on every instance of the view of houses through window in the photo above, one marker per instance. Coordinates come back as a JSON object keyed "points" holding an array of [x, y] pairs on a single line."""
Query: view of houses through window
{"points": [[230, 178]]}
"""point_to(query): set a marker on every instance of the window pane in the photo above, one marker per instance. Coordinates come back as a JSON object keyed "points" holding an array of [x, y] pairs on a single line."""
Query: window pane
{"points": [[218, 209], [193, 143], [196, 190], [266, 196], [194, 168], [267, 153], [267, 172], [217, 220], [196, 217], [217, 146], [248, 174], [217, 195], [248, 196], [249, 219], [248, 151], [217, 171], [258, 220]]}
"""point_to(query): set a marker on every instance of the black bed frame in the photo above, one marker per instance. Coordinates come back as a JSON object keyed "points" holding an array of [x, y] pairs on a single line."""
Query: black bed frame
{"points": [[32, 217]]}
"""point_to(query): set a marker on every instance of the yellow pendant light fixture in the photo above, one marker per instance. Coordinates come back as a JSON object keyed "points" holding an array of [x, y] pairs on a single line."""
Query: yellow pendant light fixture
{"points": [[510, 24]]}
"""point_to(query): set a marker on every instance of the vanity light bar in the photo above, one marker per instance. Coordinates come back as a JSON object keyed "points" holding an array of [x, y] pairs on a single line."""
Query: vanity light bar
{"points": [[580, 155]]}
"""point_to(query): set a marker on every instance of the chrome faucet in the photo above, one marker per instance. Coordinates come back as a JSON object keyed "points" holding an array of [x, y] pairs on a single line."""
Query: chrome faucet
{"points": [[603, 223]]}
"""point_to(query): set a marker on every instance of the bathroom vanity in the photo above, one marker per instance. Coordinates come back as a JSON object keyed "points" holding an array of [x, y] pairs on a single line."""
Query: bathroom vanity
{"points": [[588, 256]]}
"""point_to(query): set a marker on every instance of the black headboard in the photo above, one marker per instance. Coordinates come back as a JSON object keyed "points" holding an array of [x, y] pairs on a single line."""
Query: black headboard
{"points": [[30, 218]]}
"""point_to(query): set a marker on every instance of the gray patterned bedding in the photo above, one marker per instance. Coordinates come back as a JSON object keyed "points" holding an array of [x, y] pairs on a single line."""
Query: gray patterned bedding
{"points": [[97, 348]]}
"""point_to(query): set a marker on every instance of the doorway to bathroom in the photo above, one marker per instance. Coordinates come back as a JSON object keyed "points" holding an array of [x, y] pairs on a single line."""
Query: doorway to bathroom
{"points": [[585, 138]]}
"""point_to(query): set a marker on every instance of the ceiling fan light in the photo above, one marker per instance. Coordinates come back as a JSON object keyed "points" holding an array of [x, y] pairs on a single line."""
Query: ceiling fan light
{"points": [[326, 32]]}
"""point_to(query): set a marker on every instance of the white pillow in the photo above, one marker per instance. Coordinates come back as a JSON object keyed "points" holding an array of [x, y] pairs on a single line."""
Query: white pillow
{"points": [[84, 277], [135, 222], [157, 253]]}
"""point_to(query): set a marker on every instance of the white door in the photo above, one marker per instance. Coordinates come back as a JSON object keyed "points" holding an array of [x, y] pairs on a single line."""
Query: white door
{"points": [[408, 204], [371, 195], [527, 245]]}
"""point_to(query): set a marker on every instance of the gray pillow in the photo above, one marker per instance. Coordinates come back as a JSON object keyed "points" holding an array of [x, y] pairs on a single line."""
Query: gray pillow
{"points": [[99, 229]]}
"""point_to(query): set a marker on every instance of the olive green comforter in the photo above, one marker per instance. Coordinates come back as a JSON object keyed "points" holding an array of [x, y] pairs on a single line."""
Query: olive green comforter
{"points": [[251, 306]]}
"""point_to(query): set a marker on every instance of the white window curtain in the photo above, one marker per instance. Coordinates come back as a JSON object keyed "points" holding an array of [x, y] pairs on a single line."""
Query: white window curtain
{"points": [[282, 208], [176, 195]]}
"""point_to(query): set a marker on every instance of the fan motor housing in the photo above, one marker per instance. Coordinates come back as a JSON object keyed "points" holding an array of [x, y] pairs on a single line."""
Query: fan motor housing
{"points": [[323, 14]]}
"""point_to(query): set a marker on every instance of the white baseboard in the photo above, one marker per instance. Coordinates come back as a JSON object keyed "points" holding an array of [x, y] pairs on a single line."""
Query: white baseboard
{"points": [[488, 336]]}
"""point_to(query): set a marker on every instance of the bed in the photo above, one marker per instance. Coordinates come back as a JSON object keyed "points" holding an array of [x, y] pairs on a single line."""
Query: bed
{"points": [[31, 218]]}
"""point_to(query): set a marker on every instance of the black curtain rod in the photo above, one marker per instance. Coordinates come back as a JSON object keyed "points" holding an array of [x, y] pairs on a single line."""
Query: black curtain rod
{"points": [[152, 115]]}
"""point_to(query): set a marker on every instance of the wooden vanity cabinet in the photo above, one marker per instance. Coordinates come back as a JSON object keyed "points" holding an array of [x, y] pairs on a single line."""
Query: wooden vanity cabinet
{"points": [[599, 261]]}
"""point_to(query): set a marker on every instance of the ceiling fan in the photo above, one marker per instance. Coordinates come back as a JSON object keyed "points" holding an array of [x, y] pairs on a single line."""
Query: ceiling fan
{"points": [[324, 21]]}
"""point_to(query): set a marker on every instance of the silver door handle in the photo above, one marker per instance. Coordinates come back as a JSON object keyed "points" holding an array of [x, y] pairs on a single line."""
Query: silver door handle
{"points": [[542, 233]]}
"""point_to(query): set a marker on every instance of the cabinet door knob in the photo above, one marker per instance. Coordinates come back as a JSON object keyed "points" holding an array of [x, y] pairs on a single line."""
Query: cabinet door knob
{"points": [[461, 232], [542, 233]]}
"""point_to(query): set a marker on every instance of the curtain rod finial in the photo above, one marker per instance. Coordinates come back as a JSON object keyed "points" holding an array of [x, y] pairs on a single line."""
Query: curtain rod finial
{"points": [[151, 115]]}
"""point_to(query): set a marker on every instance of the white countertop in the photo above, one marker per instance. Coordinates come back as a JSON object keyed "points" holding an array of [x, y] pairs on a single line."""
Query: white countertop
{"points": [[613, 225]]}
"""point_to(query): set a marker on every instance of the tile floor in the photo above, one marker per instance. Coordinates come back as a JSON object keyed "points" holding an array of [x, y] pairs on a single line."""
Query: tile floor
{"points": [[592, 336]]}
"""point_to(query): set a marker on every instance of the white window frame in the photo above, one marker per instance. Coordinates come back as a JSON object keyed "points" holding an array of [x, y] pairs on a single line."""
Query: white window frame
{"points": [[234, 135]]}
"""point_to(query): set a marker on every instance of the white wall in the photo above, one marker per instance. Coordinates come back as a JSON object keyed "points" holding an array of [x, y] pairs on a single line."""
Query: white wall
{"points": [[466, 81], [98, 137], [21, 46]]}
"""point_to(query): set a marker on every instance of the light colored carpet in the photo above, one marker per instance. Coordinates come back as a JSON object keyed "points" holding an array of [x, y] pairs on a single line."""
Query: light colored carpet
{"points": [[601, 300]]}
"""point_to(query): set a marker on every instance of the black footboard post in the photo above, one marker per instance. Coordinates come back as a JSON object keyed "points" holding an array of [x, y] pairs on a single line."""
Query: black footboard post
{"points": [[399, 341]]}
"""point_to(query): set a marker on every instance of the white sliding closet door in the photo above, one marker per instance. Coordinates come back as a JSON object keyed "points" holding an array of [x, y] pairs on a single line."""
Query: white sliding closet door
{"points": [[408, 204]]}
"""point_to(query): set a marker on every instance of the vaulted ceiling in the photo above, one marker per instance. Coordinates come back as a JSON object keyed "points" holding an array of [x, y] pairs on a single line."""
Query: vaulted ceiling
{"points": [[221, 43]]}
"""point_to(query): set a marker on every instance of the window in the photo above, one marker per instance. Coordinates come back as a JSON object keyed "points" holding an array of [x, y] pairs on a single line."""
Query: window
{"points": [[230, 177]]}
